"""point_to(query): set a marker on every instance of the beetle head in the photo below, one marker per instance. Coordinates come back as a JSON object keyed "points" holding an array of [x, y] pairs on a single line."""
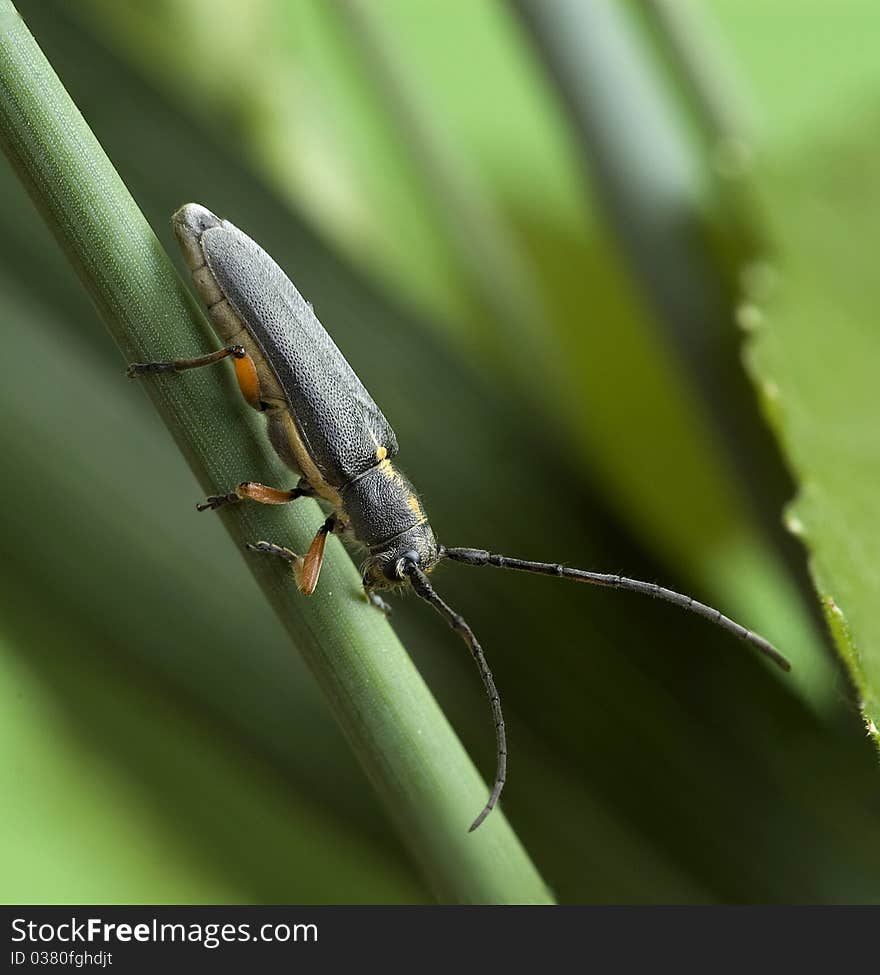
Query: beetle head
{"points": [[385, 568]]}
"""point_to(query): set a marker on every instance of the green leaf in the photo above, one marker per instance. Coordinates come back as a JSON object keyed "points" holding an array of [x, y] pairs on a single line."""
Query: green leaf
{"points": [[815, 356]]}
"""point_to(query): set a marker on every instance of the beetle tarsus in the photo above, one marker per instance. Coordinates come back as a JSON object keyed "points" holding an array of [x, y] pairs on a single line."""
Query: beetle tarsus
{"points": [[137, 369], [270, 548], [215, 501], [376, 600]]}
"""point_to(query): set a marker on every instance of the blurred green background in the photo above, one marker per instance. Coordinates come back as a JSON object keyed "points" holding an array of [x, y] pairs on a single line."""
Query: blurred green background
{"points": [[538, 233]]}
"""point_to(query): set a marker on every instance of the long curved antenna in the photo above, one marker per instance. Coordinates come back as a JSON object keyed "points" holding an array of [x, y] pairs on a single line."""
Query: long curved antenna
{"points": [[477, 556], [423, 588]]}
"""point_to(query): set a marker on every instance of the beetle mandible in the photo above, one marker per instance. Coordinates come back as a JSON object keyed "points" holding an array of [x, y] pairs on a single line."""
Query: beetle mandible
{"points": [[325, 426]]}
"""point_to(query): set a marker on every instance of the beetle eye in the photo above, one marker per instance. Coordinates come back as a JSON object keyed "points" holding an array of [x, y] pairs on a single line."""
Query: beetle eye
{"points": [[408, 558]]}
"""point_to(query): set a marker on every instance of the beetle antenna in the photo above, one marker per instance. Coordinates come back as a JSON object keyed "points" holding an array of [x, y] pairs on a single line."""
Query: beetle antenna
{"points": [[423, 588], [476, 556]]}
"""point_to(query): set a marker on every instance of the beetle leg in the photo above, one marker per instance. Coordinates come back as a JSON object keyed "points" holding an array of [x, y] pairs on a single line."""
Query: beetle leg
{"points": [[376, 600], [307, 568], [248, 380], [270, 548], [279, 551], [181, 365], [256, 492], [245, 370], [307, 578]]}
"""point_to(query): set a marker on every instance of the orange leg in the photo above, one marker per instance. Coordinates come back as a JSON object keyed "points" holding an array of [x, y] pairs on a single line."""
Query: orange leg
{"points": [[245, 370], [307, 568], [256, 492]]}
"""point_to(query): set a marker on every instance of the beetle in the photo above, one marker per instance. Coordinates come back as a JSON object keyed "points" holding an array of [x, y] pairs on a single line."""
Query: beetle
{"points": [[324, 425]]}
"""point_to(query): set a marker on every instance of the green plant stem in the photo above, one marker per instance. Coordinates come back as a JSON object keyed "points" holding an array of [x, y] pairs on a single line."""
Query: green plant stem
{"points": [[410, 753]]}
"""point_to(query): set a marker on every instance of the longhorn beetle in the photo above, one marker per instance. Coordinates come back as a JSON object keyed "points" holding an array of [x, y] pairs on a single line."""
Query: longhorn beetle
{"points": [[325, 426]]}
